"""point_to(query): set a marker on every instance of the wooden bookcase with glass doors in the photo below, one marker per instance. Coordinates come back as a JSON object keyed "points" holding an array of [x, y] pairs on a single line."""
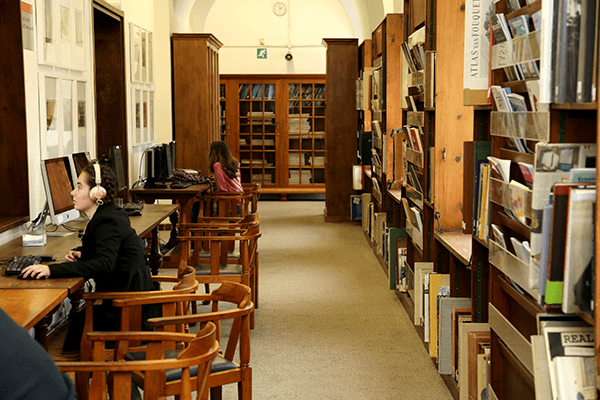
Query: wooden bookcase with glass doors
{"points": [[275, 126]]}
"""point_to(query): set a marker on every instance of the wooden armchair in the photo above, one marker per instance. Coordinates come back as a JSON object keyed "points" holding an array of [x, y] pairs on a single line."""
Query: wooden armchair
{"points": [[197, 356], [224, 204], [222, 265], [132, 321], [231, 365], [254, 189]]}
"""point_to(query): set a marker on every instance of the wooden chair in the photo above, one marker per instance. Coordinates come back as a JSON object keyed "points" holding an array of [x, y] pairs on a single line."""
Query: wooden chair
{"points": [[254, 189], [185, 283], [224, 204], [223, 266], [197, 356], [227, 367]]}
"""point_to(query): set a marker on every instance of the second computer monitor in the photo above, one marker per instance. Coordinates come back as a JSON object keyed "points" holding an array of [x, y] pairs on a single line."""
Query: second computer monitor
{"points": [[118, 164], [80, 161]]}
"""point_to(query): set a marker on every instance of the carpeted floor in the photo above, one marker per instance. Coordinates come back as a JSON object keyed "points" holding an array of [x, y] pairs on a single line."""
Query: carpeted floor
{"points": [[327, 326]]}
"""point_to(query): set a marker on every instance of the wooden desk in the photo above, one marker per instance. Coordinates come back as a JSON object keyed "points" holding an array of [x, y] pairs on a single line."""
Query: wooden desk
{"points": [[36, 299], [32, 307], [184, 197]]}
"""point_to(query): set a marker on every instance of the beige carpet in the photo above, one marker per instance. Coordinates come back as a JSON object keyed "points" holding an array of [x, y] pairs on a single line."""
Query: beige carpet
{"points": [[327, 326]]}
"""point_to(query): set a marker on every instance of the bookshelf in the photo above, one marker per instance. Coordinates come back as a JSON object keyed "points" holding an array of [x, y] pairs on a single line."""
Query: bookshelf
{"points": [[515, 302], [196, 98], [275, 125]]}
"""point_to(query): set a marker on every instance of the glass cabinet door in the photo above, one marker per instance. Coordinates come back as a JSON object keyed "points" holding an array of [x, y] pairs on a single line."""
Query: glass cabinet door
{"points": [[223, 116], [306, 133], [257, 132]]}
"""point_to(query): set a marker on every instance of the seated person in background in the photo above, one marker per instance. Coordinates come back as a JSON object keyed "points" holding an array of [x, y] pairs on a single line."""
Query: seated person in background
{"points": [[111, 252], [26, 371], [226, 169]]}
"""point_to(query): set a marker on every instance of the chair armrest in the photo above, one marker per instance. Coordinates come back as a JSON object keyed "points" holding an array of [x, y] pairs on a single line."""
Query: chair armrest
{"points": [[143, 336], [158, 299], [205, 317]]}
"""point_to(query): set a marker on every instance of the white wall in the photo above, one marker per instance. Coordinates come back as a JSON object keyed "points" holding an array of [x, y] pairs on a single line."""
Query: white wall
{"points": [[240, 26]]}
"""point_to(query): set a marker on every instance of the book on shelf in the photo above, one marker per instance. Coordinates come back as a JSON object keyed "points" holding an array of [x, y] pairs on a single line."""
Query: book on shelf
{"points": [[417, 218], [558, 242], [552, 164], [579, 249], [517, 194], [541, 371], [581, 175], [446, 306], [475, 154], [570, 352], [567, 32], [519, 26], [502, 34], [418, 299], [588, 52], [439, 286], [501, 98], [513, 5], [477, 342], [425, 323], [485, 201], [459, 316], [463, 354], [545, 247], [501, 166], [527, 172]]}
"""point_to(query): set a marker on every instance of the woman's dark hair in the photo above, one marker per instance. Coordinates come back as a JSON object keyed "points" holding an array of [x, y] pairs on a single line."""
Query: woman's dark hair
{"points": [[109, 180], [219, 152]]}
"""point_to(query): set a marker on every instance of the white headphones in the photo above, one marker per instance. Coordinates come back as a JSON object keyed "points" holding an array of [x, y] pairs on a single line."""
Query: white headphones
{"points": [[97, 193]]}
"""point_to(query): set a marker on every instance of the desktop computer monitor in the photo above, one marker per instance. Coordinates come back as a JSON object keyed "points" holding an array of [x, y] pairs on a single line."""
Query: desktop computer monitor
{"points": [[80, 161], [159, 165], [116, 160], [58, 184]]}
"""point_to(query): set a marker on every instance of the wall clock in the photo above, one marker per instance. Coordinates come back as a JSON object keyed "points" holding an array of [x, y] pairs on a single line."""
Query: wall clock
{"points": [[280, 9]]}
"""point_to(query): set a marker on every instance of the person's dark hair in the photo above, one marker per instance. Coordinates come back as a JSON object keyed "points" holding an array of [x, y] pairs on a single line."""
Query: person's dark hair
{"points": [[109, 180], [219, 152]]}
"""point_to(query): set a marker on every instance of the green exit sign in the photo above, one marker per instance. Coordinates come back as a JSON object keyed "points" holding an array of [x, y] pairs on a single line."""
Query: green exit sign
{"points": [[261, 53]]}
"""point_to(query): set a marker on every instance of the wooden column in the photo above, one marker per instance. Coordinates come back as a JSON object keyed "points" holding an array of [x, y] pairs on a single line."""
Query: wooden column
{"points": [[340, 126]]}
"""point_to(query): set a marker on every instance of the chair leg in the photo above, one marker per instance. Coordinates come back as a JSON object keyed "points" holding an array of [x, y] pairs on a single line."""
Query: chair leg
{"points": [[207, 290], [256, 282], [216, 393], [245, 386]]}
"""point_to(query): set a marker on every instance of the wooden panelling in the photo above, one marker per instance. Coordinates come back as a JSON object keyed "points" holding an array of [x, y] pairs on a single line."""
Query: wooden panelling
{"points": [[14, 202], [340, 126], [454, 121]]}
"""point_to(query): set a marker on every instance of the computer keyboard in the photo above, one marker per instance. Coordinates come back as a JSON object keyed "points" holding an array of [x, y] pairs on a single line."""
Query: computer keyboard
{"points": [[19, 263], [130, 207]]}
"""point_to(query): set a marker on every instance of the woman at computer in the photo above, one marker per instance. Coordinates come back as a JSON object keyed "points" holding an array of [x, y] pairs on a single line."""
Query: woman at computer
{"points": [[111, 252], [226, 169]]}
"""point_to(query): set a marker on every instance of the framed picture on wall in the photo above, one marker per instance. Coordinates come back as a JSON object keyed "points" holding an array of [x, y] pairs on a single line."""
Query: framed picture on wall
{"points": [[61, 105], [79, 30], [47, 32], [144, 55], [150, 60], [65, 29], [136, 52]]}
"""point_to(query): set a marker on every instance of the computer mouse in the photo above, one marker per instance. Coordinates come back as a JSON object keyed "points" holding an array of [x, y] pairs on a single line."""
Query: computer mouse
{"points": [[134, 213]]}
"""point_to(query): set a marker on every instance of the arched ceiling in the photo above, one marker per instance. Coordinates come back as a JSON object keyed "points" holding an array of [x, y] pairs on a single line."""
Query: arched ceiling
{"points": [[364, 15]]}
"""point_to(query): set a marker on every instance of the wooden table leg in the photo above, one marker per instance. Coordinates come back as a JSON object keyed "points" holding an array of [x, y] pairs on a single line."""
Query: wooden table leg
{"points": [[174, 218], [155, 257]]}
